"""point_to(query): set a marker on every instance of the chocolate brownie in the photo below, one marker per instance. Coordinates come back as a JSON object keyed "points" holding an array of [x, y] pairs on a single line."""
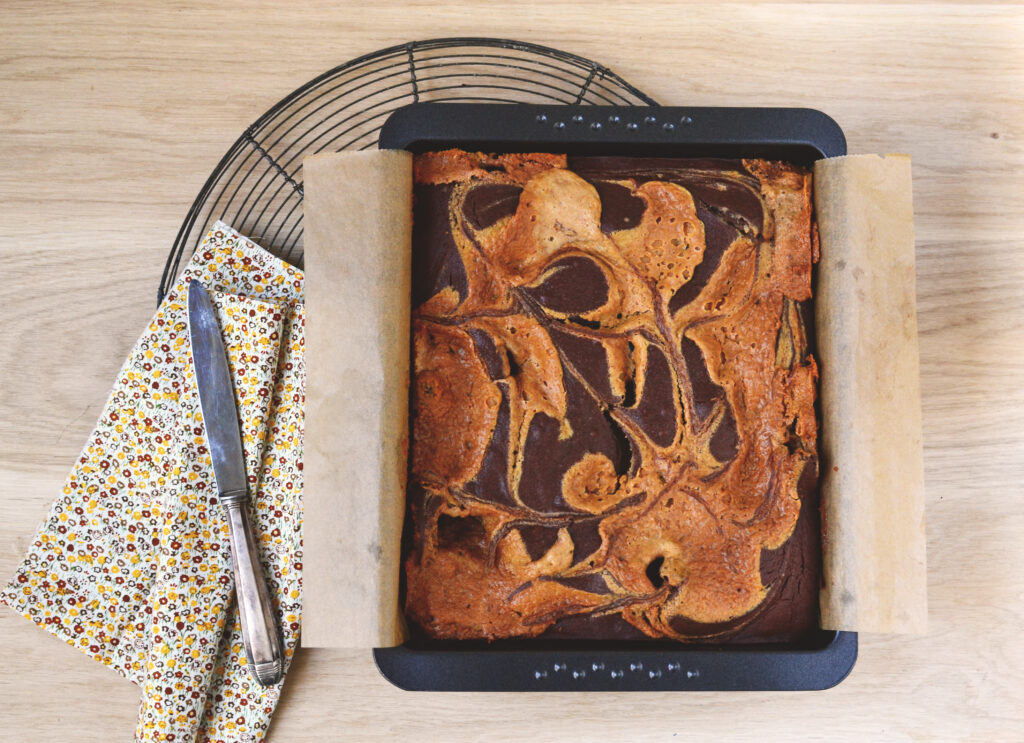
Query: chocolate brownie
{"points": [[613, 421]]}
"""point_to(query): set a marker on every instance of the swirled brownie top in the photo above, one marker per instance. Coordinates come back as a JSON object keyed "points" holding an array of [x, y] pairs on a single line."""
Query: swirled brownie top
{"points": [[613, 423]]}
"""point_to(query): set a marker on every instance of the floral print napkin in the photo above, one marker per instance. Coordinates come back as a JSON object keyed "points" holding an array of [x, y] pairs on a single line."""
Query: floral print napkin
{"points": [[132, 566]]}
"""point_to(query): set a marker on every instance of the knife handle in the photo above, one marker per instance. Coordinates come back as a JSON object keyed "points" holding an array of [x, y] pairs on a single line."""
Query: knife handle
{"points": [[259, 629]]}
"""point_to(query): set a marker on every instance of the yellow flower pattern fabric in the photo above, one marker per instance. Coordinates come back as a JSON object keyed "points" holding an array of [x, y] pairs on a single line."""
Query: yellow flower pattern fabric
{"points": [[132, 565]]}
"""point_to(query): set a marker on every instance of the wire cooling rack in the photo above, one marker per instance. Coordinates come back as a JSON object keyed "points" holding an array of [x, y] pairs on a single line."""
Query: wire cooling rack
{"points": [[257, 185]]}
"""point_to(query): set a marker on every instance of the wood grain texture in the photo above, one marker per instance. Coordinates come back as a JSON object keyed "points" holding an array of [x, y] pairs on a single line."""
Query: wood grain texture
{"points": [[111, 117]]}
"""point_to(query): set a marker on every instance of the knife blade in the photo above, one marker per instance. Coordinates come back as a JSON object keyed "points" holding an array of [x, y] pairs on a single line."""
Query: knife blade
{"points": [[220, 418]]}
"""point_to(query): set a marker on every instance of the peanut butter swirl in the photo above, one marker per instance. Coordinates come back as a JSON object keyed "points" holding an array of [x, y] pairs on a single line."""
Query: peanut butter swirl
{"points": [[613, 398]]}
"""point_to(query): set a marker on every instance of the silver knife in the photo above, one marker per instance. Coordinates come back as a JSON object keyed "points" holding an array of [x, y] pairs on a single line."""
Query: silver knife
{"points": [[220, 417]]}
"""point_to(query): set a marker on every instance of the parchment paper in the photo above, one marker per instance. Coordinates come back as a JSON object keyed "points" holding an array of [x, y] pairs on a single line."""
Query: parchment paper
{"points": [[358, 229], [871, 457], [358, 222]]}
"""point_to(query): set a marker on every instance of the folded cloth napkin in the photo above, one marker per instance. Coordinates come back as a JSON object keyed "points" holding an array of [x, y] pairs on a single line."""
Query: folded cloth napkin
{"points": [[132, 566]]}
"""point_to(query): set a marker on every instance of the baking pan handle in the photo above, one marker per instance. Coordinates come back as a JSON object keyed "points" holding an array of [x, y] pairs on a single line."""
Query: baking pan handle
{"points": [[795, 134]]}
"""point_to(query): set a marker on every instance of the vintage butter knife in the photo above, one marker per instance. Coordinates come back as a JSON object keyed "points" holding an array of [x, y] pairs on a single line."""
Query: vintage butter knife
{"points": [[220, 416]]}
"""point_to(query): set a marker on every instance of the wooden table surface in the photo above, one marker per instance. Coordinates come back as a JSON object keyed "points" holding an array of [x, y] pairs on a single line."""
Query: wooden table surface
{"points": [[112, 117]]}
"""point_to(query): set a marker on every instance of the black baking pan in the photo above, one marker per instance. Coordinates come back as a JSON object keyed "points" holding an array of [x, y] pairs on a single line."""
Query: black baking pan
{"points": [[817, 661]]}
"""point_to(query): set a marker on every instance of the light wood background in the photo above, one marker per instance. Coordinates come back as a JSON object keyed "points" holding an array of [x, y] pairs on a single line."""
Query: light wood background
{"points": [[111, 118]]}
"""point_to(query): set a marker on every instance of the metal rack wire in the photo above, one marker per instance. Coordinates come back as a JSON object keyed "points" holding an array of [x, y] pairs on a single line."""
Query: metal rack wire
{"points": [[257, 185]]}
